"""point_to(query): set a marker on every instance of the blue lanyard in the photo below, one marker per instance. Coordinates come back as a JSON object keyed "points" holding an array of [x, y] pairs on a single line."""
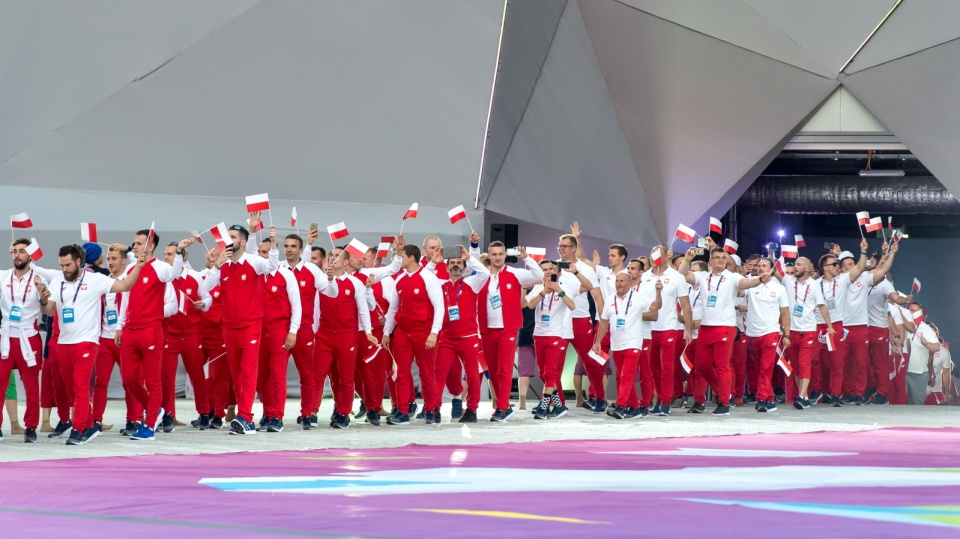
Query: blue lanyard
{"points": [[627, 310], [459, 286], [75, 293], [710, 278]]}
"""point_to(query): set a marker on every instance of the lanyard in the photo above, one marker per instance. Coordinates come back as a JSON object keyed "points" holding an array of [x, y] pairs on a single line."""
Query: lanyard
{"points": [[75, 293], [553, 295], [459, 286], [806, 292], [834, 297], [695, 299], [25, 288], [627, 310], [709, 278]]}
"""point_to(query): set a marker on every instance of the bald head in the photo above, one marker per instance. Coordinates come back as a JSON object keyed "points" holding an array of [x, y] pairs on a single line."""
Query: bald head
{"points": [[430, 246], [802, 267]]}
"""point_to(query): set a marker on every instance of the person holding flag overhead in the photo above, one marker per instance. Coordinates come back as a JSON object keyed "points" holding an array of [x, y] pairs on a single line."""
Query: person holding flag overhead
{"points": [[767, 328], [238, 271], [923, 345]]}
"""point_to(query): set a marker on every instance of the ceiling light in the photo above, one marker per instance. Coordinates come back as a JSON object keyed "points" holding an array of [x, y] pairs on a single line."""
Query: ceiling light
{"points": [[881, 173]]}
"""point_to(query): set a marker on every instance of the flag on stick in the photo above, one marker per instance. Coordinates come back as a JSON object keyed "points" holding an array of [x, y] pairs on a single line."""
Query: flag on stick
{"points": [[863, 217], [685, 361], [257, 203], [916, 286], [730, 246], [798, 239], [875, 224], [457, 214], [356, 248], [412, 212], [600, 358], [21, 220], [34, 250], [656, 257], [685, 233], [220, 234], [293, 218], [337, 231], [537, 253], [88, 232], [383, 250], [716, 225], [789, 251]]}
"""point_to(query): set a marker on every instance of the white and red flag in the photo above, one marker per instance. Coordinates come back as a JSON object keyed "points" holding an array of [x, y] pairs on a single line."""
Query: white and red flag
{"points": [[383, 250], [151, 234], [916, 285], [220, 234], [182, 303], [337, 231], [21, 220], [656, 257], [685, 233], [197, 236], [798, 239], [537, 253], [600, 358], [897, 236], [293, 217], [716, 225], [918, 316], [356, 248], [789, 251], [88, 232], [257, 203], [34, 250], [412, 212], [730, 246], [890, 223], [875, 224], [863, 217], [829, 339], [781, 266], [685, 361], [457, 214]]}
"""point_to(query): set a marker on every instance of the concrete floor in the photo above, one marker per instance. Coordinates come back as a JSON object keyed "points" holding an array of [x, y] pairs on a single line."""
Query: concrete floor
{"points": [[579, 424]]}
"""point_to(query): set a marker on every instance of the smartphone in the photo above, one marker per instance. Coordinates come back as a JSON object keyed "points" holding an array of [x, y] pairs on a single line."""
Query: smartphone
{"points": [[313, 227], [829, 246], [701, 242], [513, 252], [697, 251], [554, 277], [451, 252], [563, 265]]}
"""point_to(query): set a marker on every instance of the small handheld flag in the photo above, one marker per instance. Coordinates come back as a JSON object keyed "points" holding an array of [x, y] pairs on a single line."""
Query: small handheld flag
{"points": [[383, 250], [798, 239], [293, 218], [656, 258], [685, 233], [789, 251], [182, 303], [685, 361], [34, 250], [88, 232], [257, 203], [356, 248], [716, 225], [875, 224], [600, 358], [220, 234], [537, 253], [918, 317], [863, 217], [337, 231], [373, 354], [457, 214], [916, 286], [730, 246], [412, 212]]}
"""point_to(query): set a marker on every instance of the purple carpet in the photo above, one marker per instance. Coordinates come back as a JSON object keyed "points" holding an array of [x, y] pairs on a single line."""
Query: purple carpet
{"points": [[884, 483]]}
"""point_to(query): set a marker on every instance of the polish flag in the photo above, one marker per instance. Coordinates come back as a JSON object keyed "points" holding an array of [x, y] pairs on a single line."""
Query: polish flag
{"points": [[412, 212], [293, 217], [716, 225], [151, 234], [457, 214], [828, 339], [21, 220], [890, 223], [182, 304], [600, 358], [788, 251], [373, 354], [257, 203], [787, 371], [897, 236], [917, 317], [685, 233], [196, 236], [916, 286], [88, 232], [730, 246], [875, 224], [356, 248], [338, 231], [655, 257], [537, 253], [34, 250], [383, 250], [798, 239], [781, 266], [220, 234], [685, 361], [863, 217]]}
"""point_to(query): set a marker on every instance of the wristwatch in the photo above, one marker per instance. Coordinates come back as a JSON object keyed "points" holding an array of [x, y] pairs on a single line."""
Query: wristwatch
{"points": [[180, 252]]}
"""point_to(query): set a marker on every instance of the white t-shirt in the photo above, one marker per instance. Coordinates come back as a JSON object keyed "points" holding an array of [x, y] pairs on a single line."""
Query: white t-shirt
{"points": [[763, 308], [696, 307], [83, 297], [834, 294], [552, 317], [674, 288], [741, 315], [580, 302], [855, 313], [896, 312], [804, 299], [626, 320], [941, 360], [608, 282], [920, 354], [719, 294], [877, 304]]}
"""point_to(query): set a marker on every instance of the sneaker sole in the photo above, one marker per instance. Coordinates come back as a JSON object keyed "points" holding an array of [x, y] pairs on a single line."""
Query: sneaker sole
{"points": [[237, 428], [142, 439], [798, 406], [94, 435]]}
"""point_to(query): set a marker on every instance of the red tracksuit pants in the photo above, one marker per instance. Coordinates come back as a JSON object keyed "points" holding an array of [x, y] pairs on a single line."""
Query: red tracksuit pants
{"points": [[243, 359], [831, 363], [582, 342], [141, 358], [76, 364], [714, 349], [407, 346], [627, 362], [53, 390], [272, 371], [30, 376], [857, 360], [738, 366], [107, 357], [880, 367], [336, 355], [763, 350], [664, 352], [800, 356], [499, 350], [375, 376], [217, 373], [304, 358], [451, 353], [188, 347]]}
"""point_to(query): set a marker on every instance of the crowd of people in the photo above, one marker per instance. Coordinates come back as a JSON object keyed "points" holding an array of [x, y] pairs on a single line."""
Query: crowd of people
{"points": [[677, 331]]}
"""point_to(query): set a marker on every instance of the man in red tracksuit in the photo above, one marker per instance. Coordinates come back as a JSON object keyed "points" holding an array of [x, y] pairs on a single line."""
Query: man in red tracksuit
{"points": [[182, 339], [341, 317], [411, 329], [501, 317], [140, 329], [281, 322], [379, 295], [216, 368], [238, 272], [460, 337], [310, 279]]}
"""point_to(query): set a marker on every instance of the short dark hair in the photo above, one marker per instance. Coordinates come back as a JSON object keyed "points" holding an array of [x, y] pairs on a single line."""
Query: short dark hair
{"points": [[496, 243], [716, 250], [315, 248], [675, 257], [295, 237], [753, 257], [241, 230], [548, 261], [824, 258], [156, 237], [571, 237], [411, 250], [74, 251], [620, 248], [22, 241]]}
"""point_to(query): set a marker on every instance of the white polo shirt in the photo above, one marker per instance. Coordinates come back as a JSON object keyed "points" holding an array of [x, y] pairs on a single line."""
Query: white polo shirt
{"points": [[552, 317], [834, 294], [608, 282], [626, 320], [803, 298], [920, 354], [856, 311], [763, 308], [674, 288], [719, 293], [696, 307], [580, 302], [877, 304], [83, 297]]}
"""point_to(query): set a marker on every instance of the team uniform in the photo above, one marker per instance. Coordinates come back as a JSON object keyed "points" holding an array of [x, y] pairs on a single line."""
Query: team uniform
{"points": [[667, 339], [629, 344], [582, 339], [878, 328], [717, 332], [20, 344], [834, 294], [282, 316], [553, 326], [763, 332], [182, 339], [856, 318], [341, 316], [804, 300], [107, 357]]}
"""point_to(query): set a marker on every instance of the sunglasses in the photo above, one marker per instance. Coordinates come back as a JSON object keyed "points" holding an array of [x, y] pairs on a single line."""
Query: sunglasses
{"points": [[832, 264]]}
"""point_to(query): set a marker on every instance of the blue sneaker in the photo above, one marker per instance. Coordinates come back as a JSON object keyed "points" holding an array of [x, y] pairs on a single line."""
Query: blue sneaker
{"points": [[815, 397], [664, 411], [428, 417], [498, 416], [557, 411], [617, 413], [600, 406], [542, 410], [589, 404], [275, 425], [399, 419], [655, 410], [159, 422], [143, 433], [456, 408], [770, 406], [506, 413], [240, 427], [75, 437], [880, 400]]}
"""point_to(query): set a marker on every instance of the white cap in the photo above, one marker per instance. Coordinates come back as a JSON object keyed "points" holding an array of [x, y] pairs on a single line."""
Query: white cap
{"points": [[845, 254], [736, 259]]}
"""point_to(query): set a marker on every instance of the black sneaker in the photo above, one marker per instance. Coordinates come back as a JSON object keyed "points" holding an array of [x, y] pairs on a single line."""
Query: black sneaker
{"points": [[90, 433], [130, 428], [275, 425], [362, 412], [204, 422], [262, 424], [858, 401], [456, 409], [74, 438], [761, 407], [498, 416], [469, 416], [617, 412], [373, 418], [413, 410], [216, 422], [847, 399], [697, 408], [749, 398], [771, 406], [600, 406], [305, 424], [870, 393], [299, 420], [798, 403], [880, 400], [166, 424], [589, 404], [815, 397], [29, 436], [437, 417], [539, 407], [721, 410], [558, 410], [399, 419], [507, 413], [428, 417], [62, 426]]}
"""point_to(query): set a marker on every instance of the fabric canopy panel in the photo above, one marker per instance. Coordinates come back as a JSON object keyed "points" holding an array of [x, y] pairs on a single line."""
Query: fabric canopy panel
{"points": [[358, 101]]}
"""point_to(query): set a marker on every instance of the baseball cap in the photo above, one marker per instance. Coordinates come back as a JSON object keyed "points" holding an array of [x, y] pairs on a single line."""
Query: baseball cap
{"points": [[845, 254], [736, 259]]}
